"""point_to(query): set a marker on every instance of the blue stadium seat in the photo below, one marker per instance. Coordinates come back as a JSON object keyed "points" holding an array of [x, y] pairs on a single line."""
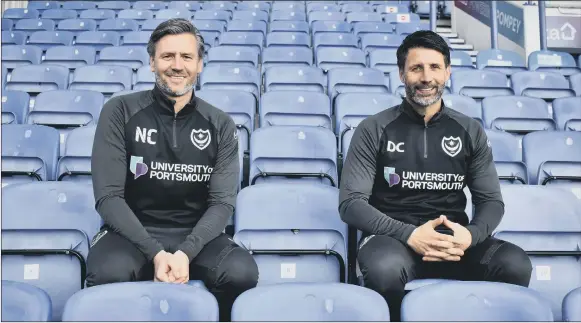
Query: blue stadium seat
{"points": [[325, 16], [97, 14], [423, 8], [298, 15], [7, 24], [396, 86], [410, 27], [371, 27], [562, 165], [334, 39], [352, 108], [242, 38], [79, 5], [286, 6], [119, 25], [98, 39], [145, 79], [292, 242], [504, 61], [220, 15], [130, 56], [49, 239], [371, 42], [24, 302], [14, 37], [571, 308], [210, 39], [400, 18], [544, 222], [254, 5], [472, 301], [20, 13], [247, 26], [241, 78], [29, 153], [278, 39], [135, 14], [356, 7], [333, 57], [75, 161], [553, 61], [480, 84], [49, 39], [384, 60], [114, 5], [31, 25], [219, 5], [355, 79], [301, 154], [43, 5], [151, 24], [576, 83], [310, 302], [518, 114], [14, 106], [295, 108], [66, 108], [323, 6], [70, 56], [124, 302], [241, 106], [308, 78], [4, 75], [250, 15], [507, 154], [460, 60], [102, 78], [544, 85], [465, 105], [210, 25], [174, 13], [149, 5], [391, 7], [289, 26], [76, 26], [185, 5], [567, 113], [38, 78], [59, 14], [354, 17], [136, 38], [233, 55], [323, 26]]}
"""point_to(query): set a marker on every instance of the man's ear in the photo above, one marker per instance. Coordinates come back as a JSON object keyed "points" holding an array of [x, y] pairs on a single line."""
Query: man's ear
{"points": [[151, 64]]}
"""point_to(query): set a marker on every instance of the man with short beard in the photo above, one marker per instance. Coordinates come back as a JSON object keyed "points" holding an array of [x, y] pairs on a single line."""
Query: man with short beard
{"points": [[402, 186], [165, 174]]}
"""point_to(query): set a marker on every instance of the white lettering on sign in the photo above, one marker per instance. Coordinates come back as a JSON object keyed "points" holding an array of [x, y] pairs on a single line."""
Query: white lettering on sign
{"points": [[508, 21]]}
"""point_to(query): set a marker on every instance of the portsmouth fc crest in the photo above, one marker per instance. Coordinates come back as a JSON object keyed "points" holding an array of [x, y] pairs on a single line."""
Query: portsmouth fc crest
{"points": [[451, 145], [200, 138]]}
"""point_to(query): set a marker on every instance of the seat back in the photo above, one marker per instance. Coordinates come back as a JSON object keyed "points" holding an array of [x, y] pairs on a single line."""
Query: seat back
{"points": [[544, 85], [507, 154], [70, 56], [14, 37], [38, 78], [286, 55], [336, 39], [205, 14], [25, 302], [460, 60], [255, 6], [288, 26], [504, 61], [18, 55], [332, 57], [131, 56], [333, 26], [75, 163], [567, 113], [248, 26], [174, 13], [288, 15], [286, 39], [304, 78], [149, 5], [384, 59], [355, 79], [14, 106], [233, 55], [571, 310], [372, 42], [76, 26], [97, 14], [31, 25], [241, 78], [479, 84], [135, 14], [361, 28], [242, 38], [106, 79], [553, 61], [463, 104], [98, 39], [295, 108], [517, 114], [79, 5], [20, 13], [119, 25], [185, 5], [325, 16], [66, 108], [139, 38], [353, 17], [576, 83], [59, 14]]}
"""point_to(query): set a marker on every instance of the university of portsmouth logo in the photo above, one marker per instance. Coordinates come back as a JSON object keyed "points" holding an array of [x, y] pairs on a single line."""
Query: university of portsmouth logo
{"points": [[137, 166], [390, 176], [200, 138], [451, 145]]}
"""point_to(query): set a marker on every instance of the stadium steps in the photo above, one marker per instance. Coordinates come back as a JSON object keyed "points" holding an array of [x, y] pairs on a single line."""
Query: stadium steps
{"points": [[457, 43]]}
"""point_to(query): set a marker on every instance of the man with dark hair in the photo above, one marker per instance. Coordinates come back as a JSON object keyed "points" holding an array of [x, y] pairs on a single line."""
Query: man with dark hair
{"points": [[165, 176], [403, 180]]}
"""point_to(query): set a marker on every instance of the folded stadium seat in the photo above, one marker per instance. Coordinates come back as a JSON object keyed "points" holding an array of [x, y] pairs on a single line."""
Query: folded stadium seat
{"points": [[14, 37], [240, 105], [149, 5], [504, 61], [576, 83], [242, 38], [114, 5], [384, 59], [544, 221], [294, 78], [400, 18], [43, 5], [7, 24], [102, 78], [465, 105], [479, 84], [507, 155], [293, 231], [334, 39], [218, 26], [323, 26], [130, 56], [325, 16], [552, 61], [20, 13], [544, 85], [136, 38], [38, 78], [371, 27], [289, 26], [301, 153], [25, 302], [371, 42], [288, 6], [144, 80], [135, 14], [410, 27], [460, 60], [59, 14], [250, 15], [422, 8], [174, 13], [242, 78], [210, 39], [248, 26], [295, 108], [571, 308], [77, 26], [567, 113], [351, 108], [517, 114], [122, 26], [285, 39], [353, 17], [288, 15], [49, 39], [185, 5], [219, 5], [355, 79], [79, 5], [328, 58], [125, 302], [391, 8], [14, 106], [396, 86], [472, 301], [71, 57], [310, 302], [31, 25], [97, 14], [221, 15], [233, 55], [254, 5], [98, 39], [328, 6], [356, 7], [562, 166], [75, 161]]}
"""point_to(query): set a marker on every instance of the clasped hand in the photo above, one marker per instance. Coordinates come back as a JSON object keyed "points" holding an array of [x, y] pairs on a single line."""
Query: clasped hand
{"points": [[171, 268], [435, 246]]}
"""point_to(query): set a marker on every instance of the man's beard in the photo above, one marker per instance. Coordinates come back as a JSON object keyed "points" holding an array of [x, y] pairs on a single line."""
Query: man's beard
{"points": [[164, 86], [423, 101]]}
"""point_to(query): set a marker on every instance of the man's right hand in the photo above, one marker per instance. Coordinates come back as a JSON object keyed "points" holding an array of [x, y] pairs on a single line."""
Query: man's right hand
{"points": [[161, 264], [426, 240]]}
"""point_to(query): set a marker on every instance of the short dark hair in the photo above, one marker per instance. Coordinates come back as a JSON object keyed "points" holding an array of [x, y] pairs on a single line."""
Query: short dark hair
{"points": [[175, 26], [422, 39]]}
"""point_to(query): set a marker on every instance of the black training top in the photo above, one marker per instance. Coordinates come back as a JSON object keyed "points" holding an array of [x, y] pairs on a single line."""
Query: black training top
{"points": [[154, 168], [401, 172]]}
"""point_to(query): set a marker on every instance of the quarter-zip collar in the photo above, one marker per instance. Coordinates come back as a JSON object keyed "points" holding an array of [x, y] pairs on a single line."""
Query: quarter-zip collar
{"points": [[408, 109], [166, 104]]}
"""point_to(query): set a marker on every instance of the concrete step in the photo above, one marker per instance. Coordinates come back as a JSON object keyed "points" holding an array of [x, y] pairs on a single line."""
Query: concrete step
{"points": [[458, 41], [449, 35], [443, 30], [462, 47]]}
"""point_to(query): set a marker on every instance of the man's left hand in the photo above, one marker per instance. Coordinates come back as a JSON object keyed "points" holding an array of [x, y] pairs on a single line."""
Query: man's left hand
{"points": [[462, 238], [180, 267]]}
